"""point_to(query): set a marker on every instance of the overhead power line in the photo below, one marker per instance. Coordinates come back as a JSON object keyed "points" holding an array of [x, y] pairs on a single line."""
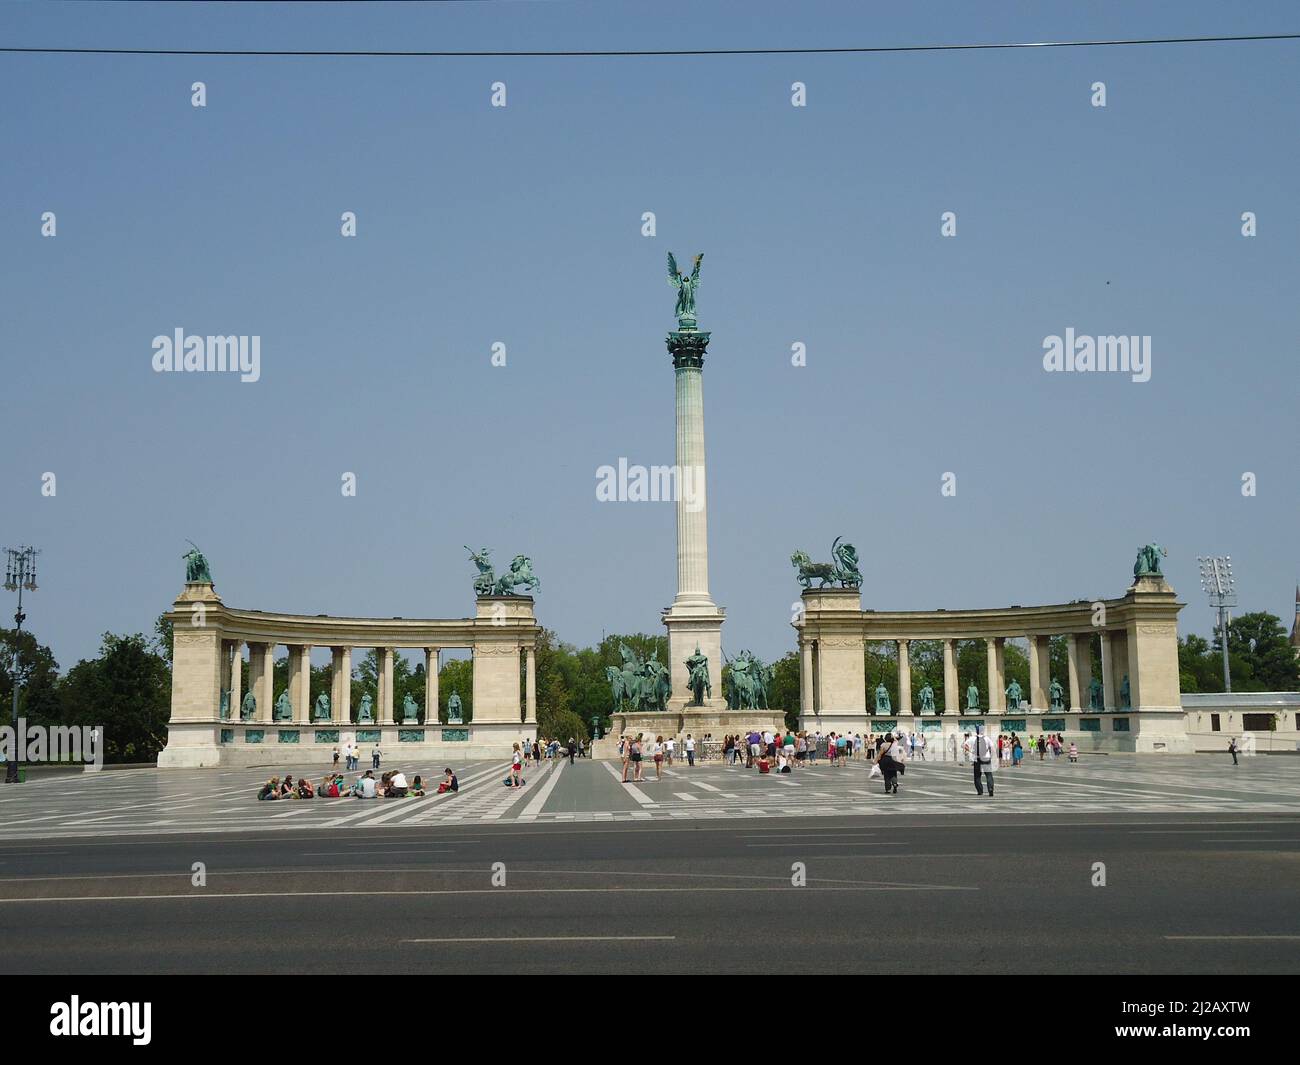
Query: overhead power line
{"points": [[614, 53]]}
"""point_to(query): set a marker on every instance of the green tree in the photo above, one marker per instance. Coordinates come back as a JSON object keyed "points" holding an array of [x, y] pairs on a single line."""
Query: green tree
{"points": [[126, 689], [1259, 641], [38, 701], [784, 692]]}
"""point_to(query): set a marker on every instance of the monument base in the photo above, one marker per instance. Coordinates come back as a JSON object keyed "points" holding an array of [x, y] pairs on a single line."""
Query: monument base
{"points": [[695, 721]]}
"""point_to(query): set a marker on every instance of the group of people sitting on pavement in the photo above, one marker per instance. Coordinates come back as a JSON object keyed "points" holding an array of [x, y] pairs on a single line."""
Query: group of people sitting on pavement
{"points": [[392, 785]]}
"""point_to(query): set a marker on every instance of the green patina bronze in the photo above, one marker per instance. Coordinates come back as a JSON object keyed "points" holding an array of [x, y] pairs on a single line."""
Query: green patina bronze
{"points": [[883, 705], [1014, 695], [1125, 695], [1094, 694], [455, 715], [254, 735], [288, 735], [927, 700], [972, 697], [283, 710], [227, 735], [488, 583], [410, 710], [685, 286], [248, 708], [1057, 694], [321, 711], [196, 566], [697, 677], [327, 735], [365, 712], [638, 684], [1148, 561], [455, 735], [224, 709], [746, 683], [369, 735], [844, 569], [410, 735]]}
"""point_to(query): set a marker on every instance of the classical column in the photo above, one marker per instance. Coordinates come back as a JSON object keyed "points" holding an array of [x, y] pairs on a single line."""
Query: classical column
{"points": [[997, 674], [300, 684], [431, 687], [344, 713], [266, 697], [386, 685], [1044, 676], [1107, 674], [904, 680], [1037, 695], [1076, 652], [805, 681], [693, 619], [236, 677], [530, 686], [951, 697], [336, 682]]}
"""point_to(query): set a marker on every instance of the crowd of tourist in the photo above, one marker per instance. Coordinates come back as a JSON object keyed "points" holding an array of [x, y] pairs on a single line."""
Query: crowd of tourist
{"points": [[391, 785]]}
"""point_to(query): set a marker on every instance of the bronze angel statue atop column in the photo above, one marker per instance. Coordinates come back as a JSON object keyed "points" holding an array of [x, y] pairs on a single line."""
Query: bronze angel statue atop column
{"points": [[685, 286]]}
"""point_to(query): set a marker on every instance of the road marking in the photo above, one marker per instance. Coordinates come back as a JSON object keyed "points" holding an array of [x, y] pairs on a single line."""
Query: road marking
{"points": [[1232, 937], [636, 793], [832, 843], [687, 796], [536, 803], [539, 939], [704, 786]]}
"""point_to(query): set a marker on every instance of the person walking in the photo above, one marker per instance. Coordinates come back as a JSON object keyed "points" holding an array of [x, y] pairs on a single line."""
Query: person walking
{"points": [[965, 750], [890, 764], [336, 758], [1232, 750], [625, 752], [573, 748], [690, 750], [637, 752], [374, 757], [986, 761]]}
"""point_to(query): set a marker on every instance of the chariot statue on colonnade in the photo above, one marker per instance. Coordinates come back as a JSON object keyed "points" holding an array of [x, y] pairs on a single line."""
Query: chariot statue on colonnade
{"points": [[488, 583], [844, 569]]}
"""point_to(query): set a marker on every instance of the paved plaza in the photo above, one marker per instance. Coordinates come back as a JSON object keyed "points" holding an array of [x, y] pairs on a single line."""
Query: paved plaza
{"points": [[149, 801]]}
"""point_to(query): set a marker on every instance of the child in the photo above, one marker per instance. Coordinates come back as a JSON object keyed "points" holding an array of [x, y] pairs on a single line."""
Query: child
{"points": [[1074, 751]]}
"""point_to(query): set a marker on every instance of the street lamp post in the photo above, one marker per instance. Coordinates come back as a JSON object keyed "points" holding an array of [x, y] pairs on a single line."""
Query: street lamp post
{"points": [[20, 574], [1219, 584]]}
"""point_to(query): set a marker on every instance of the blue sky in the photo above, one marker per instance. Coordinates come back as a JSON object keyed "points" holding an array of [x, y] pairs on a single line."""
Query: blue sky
{"points": [[522, 225]]}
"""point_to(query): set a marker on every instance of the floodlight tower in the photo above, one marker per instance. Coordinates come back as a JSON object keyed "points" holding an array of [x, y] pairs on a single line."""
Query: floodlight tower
{"points": [[1221, 587]]}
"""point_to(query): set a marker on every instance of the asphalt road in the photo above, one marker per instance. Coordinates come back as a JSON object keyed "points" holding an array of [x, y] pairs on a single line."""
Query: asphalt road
{"points": [[1184, 893]]}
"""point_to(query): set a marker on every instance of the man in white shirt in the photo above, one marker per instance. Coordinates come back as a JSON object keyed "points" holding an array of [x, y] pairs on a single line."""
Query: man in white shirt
{"points": [[986, 761], [690, 750], [397, 785], [670, 748]]}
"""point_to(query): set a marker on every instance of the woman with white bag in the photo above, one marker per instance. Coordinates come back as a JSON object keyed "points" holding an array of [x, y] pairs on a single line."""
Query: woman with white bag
{"points": [[890, 763]]}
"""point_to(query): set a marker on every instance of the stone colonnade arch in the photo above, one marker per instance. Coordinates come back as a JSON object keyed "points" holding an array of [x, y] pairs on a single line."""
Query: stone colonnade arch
{"points": [[207, 660], [1137, 705]]}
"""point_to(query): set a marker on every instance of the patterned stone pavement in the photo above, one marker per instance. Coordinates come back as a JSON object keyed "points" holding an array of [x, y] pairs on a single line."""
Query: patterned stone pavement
{"points": [[149, 801]]}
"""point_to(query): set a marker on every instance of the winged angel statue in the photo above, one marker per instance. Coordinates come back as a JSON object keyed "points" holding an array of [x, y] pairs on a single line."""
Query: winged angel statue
{"points": [[685, 287]]}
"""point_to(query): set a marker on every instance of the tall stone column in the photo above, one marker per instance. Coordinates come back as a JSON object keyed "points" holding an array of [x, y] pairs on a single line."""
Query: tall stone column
{"points": [[530, 686], [693, 620], [951, 696], [1040, 698], [236, 677], [997, 674], [385, 685], [336, 682], [1037, 694], [300, 683], [1107, 673], [431, 687], [343, 712], [807, 707], [1076, 652], [904, 680], [266, 696]]}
